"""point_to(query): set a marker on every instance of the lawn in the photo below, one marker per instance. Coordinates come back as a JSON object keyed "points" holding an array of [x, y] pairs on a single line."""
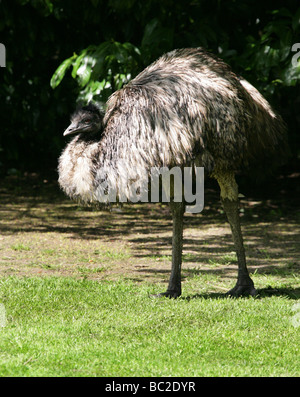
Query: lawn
{"points": [[68, 327], [76, 285]]}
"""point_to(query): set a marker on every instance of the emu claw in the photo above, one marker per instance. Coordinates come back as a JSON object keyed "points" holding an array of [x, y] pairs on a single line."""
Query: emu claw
{"points": [[167, 294], [242, 290]]}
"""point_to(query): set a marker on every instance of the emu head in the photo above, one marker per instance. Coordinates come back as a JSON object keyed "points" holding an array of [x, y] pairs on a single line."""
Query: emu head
{"points": [[87, 119]]}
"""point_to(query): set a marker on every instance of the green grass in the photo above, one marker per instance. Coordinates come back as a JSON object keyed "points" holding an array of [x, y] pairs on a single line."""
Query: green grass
{"points": [[20, 247], [60, 326]]}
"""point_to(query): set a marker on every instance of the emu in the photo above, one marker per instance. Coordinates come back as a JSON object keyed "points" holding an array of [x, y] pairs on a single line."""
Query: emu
{"points": [[187, 108]]}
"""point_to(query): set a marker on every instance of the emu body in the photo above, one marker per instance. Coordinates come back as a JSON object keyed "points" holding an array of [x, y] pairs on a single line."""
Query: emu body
{"points": [[186, 108]]}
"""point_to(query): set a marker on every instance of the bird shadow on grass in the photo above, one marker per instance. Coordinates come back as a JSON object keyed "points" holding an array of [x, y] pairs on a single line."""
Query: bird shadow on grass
{"points": [[289, 293]]}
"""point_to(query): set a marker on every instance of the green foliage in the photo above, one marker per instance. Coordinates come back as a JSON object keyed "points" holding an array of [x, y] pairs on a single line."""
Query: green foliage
{"points": [[105, 44], [60, 72], [268, 57], [100, 70]]}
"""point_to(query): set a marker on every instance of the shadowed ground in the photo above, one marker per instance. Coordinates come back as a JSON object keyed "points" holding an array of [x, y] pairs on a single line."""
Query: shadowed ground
{"points": [[44, 233]]}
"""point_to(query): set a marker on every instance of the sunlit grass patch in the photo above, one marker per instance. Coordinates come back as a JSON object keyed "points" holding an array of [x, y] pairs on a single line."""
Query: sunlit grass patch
{"points": [[60, 326]]}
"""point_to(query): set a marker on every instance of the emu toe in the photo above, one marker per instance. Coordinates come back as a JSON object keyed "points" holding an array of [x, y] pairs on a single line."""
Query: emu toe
{"points": [[167, 294], [242, 290]]}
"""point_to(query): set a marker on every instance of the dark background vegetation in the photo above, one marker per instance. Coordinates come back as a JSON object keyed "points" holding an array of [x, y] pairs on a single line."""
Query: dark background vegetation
{"points": [[87, 49]]}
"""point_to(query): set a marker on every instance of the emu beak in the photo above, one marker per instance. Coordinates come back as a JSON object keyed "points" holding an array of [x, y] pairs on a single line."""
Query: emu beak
{"points": [[72, 129]]}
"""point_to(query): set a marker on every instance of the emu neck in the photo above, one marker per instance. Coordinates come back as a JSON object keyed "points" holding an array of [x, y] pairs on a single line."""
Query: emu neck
{"points": [[88, 137]]}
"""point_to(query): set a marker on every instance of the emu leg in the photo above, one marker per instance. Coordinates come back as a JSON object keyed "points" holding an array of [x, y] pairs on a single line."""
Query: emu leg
{"points": [[174, 287], [230, 201], [244, 285]]}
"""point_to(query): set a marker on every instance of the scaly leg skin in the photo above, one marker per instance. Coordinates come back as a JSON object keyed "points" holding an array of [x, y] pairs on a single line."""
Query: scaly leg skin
{"points": [[230, 201], [174, 287], [244, 285]]}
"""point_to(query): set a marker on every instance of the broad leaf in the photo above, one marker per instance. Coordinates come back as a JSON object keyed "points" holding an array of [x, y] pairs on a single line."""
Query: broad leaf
{"points": [[61, 71]]}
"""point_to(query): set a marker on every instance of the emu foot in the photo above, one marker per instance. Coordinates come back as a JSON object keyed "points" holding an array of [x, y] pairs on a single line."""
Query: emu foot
{"points": [[242, 290], [168, 294]]}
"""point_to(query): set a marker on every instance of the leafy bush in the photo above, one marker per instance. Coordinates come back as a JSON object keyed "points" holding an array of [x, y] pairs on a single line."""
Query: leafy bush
{"points": [[105, 44], [100, 70]]}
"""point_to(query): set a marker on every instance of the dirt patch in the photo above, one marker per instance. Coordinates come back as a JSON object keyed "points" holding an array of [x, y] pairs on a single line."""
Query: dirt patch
{"points": [[44, 233]]}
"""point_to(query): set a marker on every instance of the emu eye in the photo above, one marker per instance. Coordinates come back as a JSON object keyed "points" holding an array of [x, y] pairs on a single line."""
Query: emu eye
{"points": [[87, 121]]}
